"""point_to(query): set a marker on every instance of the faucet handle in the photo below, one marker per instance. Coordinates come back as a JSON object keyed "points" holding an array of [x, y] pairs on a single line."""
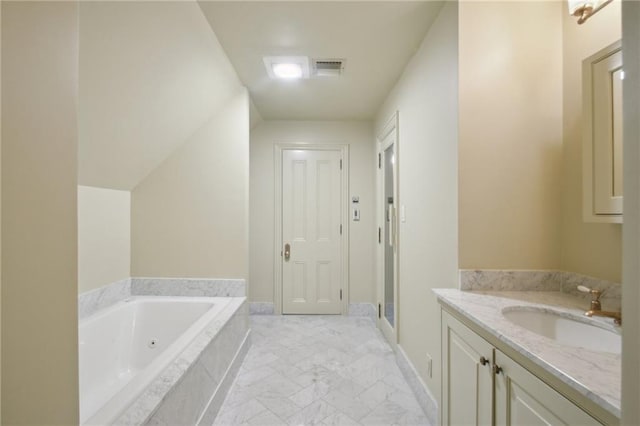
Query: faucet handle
{"points": [[595, 297], [596, 293]]}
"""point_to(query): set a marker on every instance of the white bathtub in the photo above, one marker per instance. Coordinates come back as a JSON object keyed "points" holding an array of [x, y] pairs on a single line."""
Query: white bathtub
{"points": [[124, 347]]}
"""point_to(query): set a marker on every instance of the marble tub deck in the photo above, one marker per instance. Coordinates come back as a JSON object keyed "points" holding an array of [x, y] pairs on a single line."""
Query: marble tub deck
{"points": [[194, 384], [573, 366], [319, 370]]}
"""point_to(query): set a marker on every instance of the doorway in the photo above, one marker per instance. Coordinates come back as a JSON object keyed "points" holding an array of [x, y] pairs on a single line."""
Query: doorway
{"points": [[311, 229], [388, 230]]}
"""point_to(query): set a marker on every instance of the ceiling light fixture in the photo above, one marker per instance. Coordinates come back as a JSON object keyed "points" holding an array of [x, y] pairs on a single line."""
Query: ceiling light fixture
{"points": [[286, 70], [584, 9], [287, 67]]}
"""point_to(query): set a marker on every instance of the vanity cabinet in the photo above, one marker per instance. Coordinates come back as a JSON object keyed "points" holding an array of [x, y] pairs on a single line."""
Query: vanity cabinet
{"points": [[483, 386], [467, 382], [523, 399]]}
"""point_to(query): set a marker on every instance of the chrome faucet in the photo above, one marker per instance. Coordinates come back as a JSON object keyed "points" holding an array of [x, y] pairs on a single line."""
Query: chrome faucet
{"points": [[596, 307]]}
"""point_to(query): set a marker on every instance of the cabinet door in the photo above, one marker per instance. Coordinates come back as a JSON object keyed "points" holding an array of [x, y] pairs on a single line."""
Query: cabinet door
{"points": [[524, 400], [466, 375]]}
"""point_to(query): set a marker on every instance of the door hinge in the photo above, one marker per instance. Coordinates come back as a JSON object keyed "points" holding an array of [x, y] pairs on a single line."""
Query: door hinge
{"points": [[379, 235], [340, 294], [340, 229], [341, 164], [379, 160], [379, 310]]}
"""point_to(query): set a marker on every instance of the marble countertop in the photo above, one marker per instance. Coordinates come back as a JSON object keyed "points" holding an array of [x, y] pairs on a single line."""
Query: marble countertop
{"points": [[596, 375]]}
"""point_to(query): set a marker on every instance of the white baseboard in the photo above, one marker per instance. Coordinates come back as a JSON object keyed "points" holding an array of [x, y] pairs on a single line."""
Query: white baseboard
{"points": [[425, 399], [362, 310], [261, 308]]}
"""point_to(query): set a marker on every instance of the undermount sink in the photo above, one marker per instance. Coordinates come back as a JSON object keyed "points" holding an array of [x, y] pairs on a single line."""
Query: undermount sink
{"points": [[566, 329]]}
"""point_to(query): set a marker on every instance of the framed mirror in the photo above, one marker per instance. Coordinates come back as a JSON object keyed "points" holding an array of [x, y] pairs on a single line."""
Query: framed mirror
{"points": [[602, 76]]}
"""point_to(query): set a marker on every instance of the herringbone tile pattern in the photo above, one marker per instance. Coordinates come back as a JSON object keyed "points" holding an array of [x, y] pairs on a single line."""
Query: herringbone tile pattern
{"points": [[319, 370]]}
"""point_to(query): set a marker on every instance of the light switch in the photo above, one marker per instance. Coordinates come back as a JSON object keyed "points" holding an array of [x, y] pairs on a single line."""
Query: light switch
{"points": [[356, 215], [403, 216]]}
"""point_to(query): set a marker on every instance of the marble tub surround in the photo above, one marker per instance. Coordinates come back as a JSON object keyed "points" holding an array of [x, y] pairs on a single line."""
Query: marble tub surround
{"points": [[593, 377], [216, 401], [191, 389], [191, 287], [92, 301], [537, 280]]}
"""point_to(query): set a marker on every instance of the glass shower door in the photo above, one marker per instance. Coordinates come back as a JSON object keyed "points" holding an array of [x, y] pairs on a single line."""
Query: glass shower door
{"points": [[388, 238]]}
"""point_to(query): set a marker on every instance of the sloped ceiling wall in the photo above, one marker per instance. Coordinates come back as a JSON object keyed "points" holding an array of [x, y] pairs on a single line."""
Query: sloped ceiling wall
{"points": [[151, 74]]}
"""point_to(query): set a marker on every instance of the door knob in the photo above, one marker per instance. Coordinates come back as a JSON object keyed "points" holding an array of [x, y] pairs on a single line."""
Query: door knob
{"points": [[287, 251], [484, 361]]}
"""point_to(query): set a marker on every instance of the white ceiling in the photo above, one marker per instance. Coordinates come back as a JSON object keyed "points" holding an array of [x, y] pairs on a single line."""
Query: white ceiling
{"points": [[376, 38], [151, 74]]}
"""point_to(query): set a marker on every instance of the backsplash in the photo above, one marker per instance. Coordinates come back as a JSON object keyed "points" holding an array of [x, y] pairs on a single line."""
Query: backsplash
{"points": [[537, 280], [100, 298], [611, 297], [188, 287], [510, 280]]}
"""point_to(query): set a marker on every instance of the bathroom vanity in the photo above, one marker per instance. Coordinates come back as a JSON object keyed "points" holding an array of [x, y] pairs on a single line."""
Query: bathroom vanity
{"points": [[527, 357]]}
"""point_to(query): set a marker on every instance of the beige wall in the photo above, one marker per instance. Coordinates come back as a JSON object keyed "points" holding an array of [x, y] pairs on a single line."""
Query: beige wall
{"points": [[593, 249], [39, 233], [510, 156], [631, 237], [104, 236], [189, 217], [359, 136], [0, 213], [426, 98], [151, 74]]}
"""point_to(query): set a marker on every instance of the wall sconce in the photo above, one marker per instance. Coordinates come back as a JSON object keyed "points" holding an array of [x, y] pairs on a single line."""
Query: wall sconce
{"points": [[584, 9]]}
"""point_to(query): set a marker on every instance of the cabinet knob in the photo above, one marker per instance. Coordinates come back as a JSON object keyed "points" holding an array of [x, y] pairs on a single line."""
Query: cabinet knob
{"points": [[484, 361], [497, 369]]}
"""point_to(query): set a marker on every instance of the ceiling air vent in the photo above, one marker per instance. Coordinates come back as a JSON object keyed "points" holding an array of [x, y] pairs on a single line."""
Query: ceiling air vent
{"points": [[328, 67]]}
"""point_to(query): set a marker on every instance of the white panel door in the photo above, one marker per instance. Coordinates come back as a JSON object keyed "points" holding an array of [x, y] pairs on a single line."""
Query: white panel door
{"points": [[311, 231]]}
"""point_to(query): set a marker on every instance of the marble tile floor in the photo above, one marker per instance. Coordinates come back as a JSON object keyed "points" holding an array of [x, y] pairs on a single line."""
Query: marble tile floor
{"points": [[319, 370]]}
